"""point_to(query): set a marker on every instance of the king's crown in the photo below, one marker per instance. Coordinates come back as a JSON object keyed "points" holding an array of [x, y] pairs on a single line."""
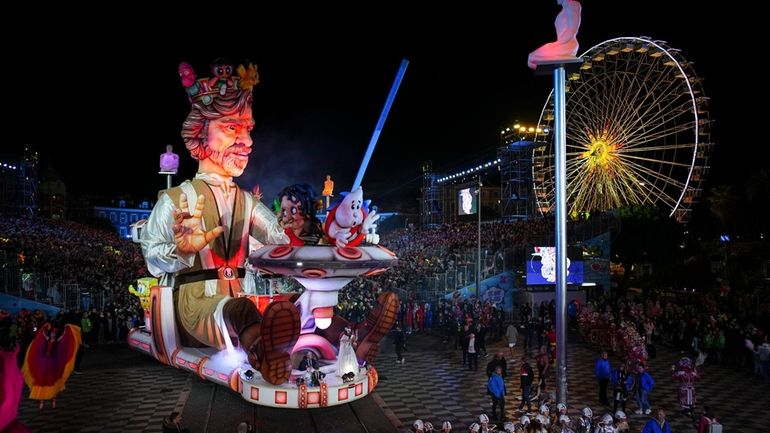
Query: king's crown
{"points": [[206, 90]]}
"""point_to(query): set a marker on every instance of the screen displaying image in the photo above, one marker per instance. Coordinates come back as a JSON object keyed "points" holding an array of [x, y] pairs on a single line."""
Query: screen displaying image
{"points": [[467, 201], [541, 266]]}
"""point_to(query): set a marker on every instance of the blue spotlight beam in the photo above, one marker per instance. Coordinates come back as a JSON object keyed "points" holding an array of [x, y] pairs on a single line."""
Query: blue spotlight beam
{"points": [[380, 124]]}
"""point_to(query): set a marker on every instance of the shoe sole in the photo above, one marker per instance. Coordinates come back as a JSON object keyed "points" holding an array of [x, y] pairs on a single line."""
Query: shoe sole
{"points": [[388, 309], [280, 331]]}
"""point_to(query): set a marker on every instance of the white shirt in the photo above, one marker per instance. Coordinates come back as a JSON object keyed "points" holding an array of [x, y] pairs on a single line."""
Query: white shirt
{"points": [[158, 243]]}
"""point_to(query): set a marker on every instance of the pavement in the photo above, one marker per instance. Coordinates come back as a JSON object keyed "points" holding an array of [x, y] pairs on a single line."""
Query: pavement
{"points": [[122, 390]]}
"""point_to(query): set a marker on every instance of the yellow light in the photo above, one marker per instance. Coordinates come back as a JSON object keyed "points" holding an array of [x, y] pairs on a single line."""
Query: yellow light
{"points": [[522, 129], [531, 129], [516, 126], [539, 130]]}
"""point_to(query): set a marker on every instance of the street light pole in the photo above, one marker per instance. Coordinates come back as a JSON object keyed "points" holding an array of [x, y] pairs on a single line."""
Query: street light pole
{"points": [[558, 68], [478, 255]]}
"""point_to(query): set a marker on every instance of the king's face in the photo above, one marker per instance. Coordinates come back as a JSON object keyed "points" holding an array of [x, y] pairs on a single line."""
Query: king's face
{"points": [[229, 141]]}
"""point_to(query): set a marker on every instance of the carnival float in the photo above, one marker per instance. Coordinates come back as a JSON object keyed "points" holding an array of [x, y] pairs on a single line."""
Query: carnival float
{"points": [[202, 312]]}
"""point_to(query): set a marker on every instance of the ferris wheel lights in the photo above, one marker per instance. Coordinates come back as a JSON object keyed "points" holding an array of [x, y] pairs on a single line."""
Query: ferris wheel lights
{"points": [[612, 52], [656, 53], [628, 48], [586, 66], [598, 58]]}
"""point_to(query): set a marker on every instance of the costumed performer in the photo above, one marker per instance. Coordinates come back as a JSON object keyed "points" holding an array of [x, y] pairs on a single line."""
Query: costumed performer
{"points": [[50, 360]]}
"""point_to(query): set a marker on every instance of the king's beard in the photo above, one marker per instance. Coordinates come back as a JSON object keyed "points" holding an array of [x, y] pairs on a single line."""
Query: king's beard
{"points": [[232, 165]]}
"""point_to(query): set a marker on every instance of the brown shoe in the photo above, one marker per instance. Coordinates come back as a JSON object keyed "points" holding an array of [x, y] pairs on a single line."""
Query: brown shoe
{"points": [[377, 324], [270, 353]]}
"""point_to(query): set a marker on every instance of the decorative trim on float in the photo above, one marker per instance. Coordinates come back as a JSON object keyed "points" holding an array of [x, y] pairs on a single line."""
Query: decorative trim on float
{"points": [[373, 378], [174, 361], [235, 383], [324, 395], [201, 363], [301, 397]]}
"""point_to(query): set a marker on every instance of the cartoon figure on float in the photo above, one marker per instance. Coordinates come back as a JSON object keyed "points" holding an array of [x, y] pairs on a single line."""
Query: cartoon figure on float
{"points": [[351, 222], [201, 238], [328, 191], [296, 207]]}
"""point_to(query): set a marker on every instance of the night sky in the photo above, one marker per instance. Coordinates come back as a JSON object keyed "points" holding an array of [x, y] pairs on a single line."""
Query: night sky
{"points": [[107, 98]]}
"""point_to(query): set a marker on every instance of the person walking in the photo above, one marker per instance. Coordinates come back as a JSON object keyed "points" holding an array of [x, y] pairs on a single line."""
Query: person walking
{"points": [[644, 386], [496, 389], [399, 341], [621, 385], [511, 334], [602, 372], [526, 375], [763, 354]]}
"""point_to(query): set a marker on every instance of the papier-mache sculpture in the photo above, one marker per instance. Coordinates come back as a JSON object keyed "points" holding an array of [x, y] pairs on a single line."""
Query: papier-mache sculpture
{"points": [[567, 24]]}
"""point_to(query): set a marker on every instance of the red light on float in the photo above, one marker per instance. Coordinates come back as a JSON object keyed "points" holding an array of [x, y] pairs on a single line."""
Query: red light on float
{"points": [[359, 389], [351, 253], [389, 252], [281, 251], [255, 393], [375, 271], [313, 273], [313, 397], [280, 397], [342, 394]]}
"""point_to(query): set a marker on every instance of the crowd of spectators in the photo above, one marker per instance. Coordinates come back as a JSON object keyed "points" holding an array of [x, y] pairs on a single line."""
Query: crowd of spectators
{"points": [[72, 253]]}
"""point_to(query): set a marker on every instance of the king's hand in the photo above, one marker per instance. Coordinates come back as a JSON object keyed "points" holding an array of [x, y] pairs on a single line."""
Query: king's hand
{"points": [[188, 233]]}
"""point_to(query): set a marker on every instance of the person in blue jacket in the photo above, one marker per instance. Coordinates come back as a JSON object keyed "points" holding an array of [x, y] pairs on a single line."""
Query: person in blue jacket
{"points": [[657, 425], [602, 372], [496, 389], [644, 386]]}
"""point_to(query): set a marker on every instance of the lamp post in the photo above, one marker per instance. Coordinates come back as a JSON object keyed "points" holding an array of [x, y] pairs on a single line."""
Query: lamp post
{"points": [[478, 255]]}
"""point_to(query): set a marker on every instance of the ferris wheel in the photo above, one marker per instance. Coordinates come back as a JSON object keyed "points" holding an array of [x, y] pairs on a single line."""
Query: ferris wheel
{"points": [[638, 131]]}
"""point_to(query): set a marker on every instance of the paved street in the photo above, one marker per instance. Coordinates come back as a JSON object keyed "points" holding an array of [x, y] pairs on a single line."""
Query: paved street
{"points": [[125, 391]]}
